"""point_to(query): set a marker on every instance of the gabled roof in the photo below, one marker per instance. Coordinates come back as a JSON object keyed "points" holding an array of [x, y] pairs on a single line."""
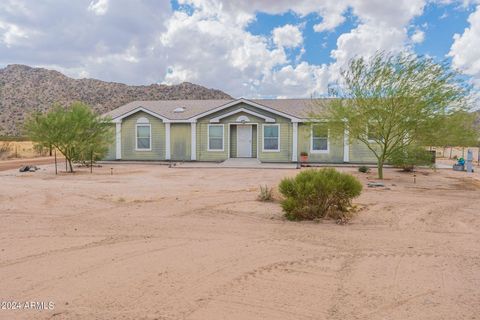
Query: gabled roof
{"points": [[294, 109]]}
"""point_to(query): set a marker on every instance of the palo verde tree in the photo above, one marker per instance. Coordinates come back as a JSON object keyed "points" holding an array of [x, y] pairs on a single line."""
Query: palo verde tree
{"points": [[76, 131], [389, 102]]}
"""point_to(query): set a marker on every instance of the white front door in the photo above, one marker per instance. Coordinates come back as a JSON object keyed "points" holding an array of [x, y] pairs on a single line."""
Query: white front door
{"points": [[244, 141]]}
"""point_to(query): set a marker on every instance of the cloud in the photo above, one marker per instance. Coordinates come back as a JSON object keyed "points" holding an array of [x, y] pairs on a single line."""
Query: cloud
{"points": [[208, 41], [418, 36], [99, 7], [464, 50], [288, 36]]}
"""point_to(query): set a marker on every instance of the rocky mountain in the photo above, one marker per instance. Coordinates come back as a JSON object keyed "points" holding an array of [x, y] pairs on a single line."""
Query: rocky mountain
{"points": [[24, 89]]}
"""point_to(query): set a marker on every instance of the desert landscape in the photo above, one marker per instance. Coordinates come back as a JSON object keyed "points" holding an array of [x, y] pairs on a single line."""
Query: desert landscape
{"points": [[152, 242]]}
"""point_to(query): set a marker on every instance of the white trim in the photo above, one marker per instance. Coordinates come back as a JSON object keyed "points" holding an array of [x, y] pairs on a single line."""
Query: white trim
{"points": [[228, 141], [223, 137], [193, 149], [167, 141], [253, 113], [295, 142], [346, 145], [263, 138], [136, 136], [251, 144], [311, 142], [156, 115], [242, 119], [242, 100], [118, 140]]}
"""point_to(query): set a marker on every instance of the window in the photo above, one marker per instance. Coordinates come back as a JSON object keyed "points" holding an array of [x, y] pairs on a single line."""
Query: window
{"points": [[215, 137], [319, 141], [144, 135], [271, 137]]}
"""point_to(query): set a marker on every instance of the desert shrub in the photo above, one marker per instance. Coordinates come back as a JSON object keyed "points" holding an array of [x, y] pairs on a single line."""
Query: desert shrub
{"points": [[320, 193], [265, 193], [4, 149], [410, 157], [364, 169]]}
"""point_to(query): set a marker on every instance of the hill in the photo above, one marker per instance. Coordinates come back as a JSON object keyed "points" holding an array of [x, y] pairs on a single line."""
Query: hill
{"points": [[24, 89]]}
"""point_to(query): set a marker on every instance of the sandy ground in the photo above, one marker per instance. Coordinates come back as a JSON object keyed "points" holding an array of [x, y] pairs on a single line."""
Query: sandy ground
{"points": [[151, 242], [17, 163]]}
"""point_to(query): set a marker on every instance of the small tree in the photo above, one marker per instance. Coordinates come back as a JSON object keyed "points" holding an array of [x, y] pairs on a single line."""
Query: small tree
{"points": [[77, 132], [390, 101]]}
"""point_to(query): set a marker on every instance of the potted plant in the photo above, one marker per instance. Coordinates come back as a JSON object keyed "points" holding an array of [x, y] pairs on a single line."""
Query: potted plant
{"points": [[303, 156]]}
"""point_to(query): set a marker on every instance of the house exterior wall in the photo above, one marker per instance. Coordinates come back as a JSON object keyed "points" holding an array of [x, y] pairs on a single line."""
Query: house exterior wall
{"points": [[180, 141], [233, 141], [181, 135], [111, 147], [359, 153], [335, 150], [129, 134], [284, 155]]}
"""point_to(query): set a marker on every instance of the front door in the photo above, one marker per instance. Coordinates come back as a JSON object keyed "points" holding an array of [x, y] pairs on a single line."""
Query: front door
{"points": [[244, 141]]}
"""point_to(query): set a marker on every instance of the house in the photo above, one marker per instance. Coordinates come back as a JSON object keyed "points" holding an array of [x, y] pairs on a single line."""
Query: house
{"points": [[271, 130]]}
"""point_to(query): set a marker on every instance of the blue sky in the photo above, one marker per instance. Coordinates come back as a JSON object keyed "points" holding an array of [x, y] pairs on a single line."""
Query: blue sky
{"points": [[249, 48]]}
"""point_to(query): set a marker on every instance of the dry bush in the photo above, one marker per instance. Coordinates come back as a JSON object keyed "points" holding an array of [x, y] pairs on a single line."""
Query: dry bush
{"points": [[266, 193]]}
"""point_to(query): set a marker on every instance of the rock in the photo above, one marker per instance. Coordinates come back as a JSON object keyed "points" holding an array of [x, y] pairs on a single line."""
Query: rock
{"points": [[24, 168], [375, 185]]}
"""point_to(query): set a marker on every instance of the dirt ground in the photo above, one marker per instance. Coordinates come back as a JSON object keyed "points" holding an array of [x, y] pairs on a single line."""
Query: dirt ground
{"points": [[17, 163], [152, 242]]}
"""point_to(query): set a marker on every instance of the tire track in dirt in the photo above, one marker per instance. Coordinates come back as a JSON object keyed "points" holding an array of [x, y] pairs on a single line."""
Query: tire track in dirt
{"points": [[104, 242]]}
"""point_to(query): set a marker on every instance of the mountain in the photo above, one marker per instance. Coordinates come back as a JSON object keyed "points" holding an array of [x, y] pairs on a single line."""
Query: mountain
{"points": [[24, 89]]}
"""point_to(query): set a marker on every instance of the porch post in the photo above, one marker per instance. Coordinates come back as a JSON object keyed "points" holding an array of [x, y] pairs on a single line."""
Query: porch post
{"points": [[118, 139], [295, 141], [167, 141], [346, 145], [193, 151]]}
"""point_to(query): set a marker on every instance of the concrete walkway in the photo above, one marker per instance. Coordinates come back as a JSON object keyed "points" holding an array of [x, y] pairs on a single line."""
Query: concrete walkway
{"points": [[247, 163]]}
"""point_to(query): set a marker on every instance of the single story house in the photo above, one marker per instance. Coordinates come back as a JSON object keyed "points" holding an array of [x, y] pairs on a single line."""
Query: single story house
{"points": [[271, 130]]}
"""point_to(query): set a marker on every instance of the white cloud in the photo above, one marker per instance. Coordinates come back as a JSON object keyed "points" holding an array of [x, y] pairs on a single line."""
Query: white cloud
{"points": [[288, 36], [418, 36], [99, 7], [145, 42], [464, 51]]}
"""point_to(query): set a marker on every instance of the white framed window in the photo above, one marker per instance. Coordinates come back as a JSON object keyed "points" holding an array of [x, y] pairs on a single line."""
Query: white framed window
{"points": [[271, 138], [143, 135], [319, 139], [215, 137]]}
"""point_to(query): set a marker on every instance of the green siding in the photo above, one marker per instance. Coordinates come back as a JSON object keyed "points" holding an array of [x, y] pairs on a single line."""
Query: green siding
{"points": [[233, 141], [111, 152], [359, 153], [284, 155], [129, 143], [254, 141], [202, 143], [335, 154], [180, 141]]}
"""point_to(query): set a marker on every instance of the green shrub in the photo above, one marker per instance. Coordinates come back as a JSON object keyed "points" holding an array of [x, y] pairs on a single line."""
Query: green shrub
{"points": [[364, 169], [314, 194], [265, 193], [410, 157]]}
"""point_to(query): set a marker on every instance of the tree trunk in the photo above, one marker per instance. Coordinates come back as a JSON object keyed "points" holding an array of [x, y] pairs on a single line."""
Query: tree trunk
{"points": [[55, 161], [380, 168], [70, 164]]}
